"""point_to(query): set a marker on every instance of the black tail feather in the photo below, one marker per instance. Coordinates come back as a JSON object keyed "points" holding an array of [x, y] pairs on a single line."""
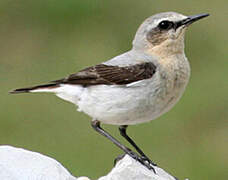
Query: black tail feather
{"points": [[28, 89]]}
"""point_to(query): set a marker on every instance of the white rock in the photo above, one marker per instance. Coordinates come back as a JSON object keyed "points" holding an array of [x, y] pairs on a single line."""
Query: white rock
{"points": [[83, 178], [130, 169], [20, 164]]}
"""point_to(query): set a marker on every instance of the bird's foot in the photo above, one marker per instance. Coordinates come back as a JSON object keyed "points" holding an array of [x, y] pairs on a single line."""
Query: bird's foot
{"points": [[142, 159], [148, 160], [118, 158]]}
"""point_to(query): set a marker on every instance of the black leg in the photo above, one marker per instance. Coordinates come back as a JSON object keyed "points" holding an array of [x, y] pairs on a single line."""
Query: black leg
{"points": [[96, 125], [123, 132]]}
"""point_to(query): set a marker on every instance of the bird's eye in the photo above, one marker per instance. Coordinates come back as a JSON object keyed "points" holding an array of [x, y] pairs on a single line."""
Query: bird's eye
{"points": [[165, 25]]}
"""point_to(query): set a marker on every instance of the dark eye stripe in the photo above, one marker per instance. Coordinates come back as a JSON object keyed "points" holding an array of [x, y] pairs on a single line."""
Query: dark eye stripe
{"points": [[159, 34]]}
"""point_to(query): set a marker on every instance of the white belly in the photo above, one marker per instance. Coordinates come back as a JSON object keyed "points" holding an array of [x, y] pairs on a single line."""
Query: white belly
{"points": [[125, 105]]}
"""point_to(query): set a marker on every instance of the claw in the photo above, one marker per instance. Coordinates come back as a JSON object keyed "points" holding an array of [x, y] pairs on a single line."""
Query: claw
{"points": [[148, 160], [144, 161], [118, 158]]}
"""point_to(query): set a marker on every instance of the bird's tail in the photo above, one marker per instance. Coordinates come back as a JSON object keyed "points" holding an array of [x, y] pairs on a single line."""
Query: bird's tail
{"points": [[40, 88]]}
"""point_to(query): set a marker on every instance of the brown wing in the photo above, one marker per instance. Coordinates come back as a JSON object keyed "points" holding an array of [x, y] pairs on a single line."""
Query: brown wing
{"points": [[108, 75]]}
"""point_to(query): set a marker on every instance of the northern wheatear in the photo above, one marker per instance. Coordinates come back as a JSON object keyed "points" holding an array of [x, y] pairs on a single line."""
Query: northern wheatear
{"points": [[135, 87]]}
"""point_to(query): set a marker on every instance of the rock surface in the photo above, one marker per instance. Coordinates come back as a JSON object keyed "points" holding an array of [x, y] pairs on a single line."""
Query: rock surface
{"points": [[128, 168], [21, 164]]}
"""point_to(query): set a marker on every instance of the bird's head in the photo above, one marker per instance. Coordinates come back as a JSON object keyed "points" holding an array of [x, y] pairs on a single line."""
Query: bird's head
{"points": [[163, 33]]}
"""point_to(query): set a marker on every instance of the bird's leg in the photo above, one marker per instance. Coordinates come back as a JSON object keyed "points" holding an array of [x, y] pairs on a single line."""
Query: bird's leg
{"points": [[96, 125], [123, 132]]}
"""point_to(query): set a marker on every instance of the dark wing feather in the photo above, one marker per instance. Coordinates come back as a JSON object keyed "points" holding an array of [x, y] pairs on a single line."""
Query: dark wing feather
{"points": [[108, 75]]}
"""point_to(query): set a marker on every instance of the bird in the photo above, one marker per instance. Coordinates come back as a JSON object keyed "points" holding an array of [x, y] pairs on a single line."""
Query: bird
{"points": [[135, 87]]}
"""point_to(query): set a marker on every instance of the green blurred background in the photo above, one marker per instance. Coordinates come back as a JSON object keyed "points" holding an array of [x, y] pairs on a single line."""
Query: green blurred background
{"points": [[48, 39]]}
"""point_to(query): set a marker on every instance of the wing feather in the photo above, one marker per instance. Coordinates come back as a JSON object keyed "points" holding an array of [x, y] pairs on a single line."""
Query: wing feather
{"points": [[109, 75]]}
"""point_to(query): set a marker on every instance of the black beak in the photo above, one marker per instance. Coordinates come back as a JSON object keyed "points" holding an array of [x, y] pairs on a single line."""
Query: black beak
{"points": [[190, 19]]}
